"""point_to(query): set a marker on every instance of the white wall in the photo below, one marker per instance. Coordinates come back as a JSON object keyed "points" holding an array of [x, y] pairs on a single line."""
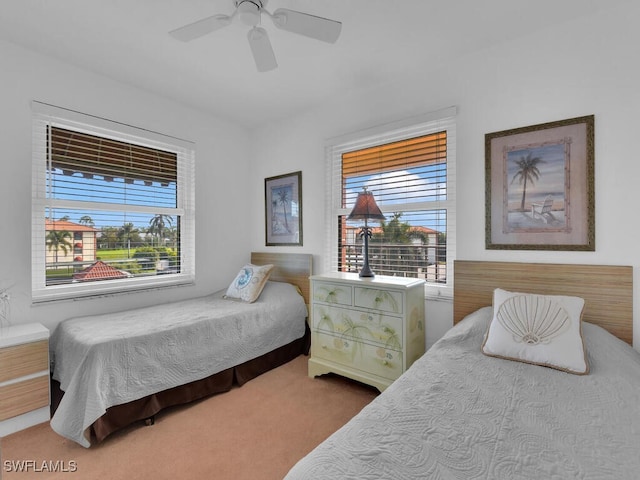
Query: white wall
{"points": [[588, 66], [221, 154]]}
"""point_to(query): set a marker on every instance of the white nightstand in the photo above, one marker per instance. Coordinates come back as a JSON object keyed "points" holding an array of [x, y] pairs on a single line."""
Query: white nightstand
{"points": [[367, 329], [24, 377]]}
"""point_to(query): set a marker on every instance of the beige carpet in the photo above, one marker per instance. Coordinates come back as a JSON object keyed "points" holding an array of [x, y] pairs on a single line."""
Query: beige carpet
{"points": [[257, 431]]}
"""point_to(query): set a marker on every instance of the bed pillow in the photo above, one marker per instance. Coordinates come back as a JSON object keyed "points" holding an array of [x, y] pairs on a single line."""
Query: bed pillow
{"points": [[249, 282], [538, 329]]}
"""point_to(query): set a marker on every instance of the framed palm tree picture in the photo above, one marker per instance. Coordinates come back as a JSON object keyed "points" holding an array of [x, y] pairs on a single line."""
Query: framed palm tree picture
{"points": [[539, 187], [283, 209]]}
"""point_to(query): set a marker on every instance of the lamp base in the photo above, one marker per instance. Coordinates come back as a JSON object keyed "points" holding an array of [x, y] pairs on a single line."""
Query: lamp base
{"points": [[365, 233], [366, 272]]}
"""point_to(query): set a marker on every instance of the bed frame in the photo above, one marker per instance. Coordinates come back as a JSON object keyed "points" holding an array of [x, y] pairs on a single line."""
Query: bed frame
{"points": [[606, 289], [291, 268]]}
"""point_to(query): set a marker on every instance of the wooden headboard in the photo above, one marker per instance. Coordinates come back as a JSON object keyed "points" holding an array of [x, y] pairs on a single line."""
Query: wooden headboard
{"points": [[606, 289], [295, 268]]}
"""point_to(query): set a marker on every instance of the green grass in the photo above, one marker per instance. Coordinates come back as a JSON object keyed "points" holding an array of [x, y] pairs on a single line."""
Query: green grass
{"points": [[59, 273], [117, 254]]}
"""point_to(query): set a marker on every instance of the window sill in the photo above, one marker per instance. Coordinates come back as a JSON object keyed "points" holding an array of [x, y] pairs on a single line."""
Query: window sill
{"points": [[66, 293]]}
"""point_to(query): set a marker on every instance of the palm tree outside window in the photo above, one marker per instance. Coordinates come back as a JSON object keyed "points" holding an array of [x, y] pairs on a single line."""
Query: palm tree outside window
{"points": [[59, 240]]}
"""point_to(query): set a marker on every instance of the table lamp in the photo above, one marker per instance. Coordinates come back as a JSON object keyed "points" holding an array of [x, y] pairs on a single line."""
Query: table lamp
{"points": [[367, 209]]}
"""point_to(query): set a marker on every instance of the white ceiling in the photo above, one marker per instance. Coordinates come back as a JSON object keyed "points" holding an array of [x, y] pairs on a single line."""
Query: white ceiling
{"points": [[381, 40]]}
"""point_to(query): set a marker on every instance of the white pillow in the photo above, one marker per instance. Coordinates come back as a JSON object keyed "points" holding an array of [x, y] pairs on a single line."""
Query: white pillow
{"points": [[249, 282], [537, 329]]}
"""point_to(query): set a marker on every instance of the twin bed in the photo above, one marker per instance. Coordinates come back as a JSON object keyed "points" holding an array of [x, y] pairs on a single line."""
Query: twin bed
{"points": [[115, 369], [460, 414]]}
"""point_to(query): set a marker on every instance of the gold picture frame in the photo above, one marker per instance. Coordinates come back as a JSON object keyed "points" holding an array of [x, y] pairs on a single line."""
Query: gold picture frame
{"points": [[539, 187]]}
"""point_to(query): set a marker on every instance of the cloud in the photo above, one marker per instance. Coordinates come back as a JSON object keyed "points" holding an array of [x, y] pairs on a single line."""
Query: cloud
{"points": [[402, 186]]}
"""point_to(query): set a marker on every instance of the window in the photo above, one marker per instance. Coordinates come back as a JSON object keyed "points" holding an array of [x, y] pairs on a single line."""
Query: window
{"points": [[410, 169], [113, 207]]}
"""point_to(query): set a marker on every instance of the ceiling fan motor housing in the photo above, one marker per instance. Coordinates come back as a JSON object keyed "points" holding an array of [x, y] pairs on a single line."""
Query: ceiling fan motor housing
{"points": [[249, 11]]}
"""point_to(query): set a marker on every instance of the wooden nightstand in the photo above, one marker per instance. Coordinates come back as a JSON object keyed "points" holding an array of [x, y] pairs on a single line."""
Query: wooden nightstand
{"points": [[369, 329], [24, 377]]}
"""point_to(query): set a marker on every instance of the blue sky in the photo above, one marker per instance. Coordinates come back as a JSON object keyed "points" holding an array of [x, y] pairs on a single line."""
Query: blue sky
{"points": [[114, 192], [420, 184]]}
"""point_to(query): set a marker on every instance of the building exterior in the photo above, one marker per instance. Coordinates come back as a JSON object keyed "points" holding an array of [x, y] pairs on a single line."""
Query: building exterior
{"points": [[79, 244]]}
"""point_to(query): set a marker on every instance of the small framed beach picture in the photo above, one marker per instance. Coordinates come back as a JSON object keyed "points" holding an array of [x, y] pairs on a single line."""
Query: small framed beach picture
{"points": [[539, 187], [283, 209]]}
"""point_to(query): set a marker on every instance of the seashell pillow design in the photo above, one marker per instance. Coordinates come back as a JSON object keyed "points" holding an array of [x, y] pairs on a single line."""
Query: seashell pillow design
{"points": [[249, 282], [538, 329]]}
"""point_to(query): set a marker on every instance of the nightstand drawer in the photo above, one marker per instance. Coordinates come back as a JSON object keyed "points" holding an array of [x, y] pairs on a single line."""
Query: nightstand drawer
{"points": [[20, 360], [24, 377], [332, 293], [368, 358], [377, 299], [378, 328], [24, 396]]}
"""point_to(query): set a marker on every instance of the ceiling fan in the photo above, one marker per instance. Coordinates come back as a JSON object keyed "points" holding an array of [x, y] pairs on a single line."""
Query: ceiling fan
{"points": [[250, 13]]}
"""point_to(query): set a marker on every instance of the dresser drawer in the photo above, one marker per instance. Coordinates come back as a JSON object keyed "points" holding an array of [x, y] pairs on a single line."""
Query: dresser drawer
{"points": [[377, 328], [332, 293], [20, 360], [372, 359], [24, 396], [386, 300]]}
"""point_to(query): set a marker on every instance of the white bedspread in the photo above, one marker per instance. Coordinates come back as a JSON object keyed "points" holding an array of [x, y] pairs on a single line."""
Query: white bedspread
{"points": [[106, 360], [457, 414]]}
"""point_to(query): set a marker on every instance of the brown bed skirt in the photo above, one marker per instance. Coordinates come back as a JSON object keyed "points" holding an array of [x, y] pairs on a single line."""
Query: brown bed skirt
{"points": [[120, 416]]}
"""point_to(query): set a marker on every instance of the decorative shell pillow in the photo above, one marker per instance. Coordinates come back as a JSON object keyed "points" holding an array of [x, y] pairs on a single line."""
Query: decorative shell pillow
{"points": [[538, 329], [249, 282]]}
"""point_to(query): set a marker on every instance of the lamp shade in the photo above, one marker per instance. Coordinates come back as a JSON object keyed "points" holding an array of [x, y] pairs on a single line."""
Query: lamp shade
{"points": [[365, 208]]}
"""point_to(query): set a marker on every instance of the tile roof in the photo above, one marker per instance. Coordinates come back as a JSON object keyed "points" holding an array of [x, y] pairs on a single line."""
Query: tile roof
{"points": [[421, 229], [68, 226], [99, 271]]}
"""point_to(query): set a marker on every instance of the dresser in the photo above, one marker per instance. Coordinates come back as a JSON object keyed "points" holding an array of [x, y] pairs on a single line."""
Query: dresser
{"points": [[24, 377], [367, 329]]}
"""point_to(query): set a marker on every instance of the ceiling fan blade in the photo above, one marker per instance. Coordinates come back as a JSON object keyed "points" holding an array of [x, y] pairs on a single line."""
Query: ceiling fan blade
{"points": [[201, 27], [261, 49], [311, 26]]}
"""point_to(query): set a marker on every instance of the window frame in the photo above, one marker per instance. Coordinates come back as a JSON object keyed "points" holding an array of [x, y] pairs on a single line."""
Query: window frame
{"points": [[388, 133], [44, 115]]}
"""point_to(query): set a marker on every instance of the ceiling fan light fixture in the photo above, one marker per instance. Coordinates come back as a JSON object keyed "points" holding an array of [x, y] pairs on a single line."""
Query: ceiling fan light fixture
{"points": [[249, 12]]}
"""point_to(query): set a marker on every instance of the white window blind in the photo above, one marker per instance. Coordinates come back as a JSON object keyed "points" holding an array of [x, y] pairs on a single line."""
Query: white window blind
{"points": [[112, 207], [410, 169]]}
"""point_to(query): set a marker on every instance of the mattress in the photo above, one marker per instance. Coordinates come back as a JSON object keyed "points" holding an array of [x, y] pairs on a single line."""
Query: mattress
{"points": [[111, 359], [458, 414]]}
